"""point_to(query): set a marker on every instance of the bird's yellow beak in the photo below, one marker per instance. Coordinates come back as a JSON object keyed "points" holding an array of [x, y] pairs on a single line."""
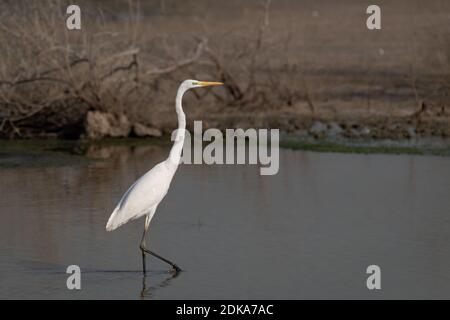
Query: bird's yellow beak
{"points": [[208, 84]]}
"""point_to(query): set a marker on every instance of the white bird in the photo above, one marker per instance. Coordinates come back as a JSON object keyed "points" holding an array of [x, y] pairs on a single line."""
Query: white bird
{"points": [[144, 196]]}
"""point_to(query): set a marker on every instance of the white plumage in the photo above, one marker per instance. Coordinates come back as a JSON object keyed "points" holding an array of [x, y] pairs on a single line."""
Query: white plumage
{"points": [[144, 196]]}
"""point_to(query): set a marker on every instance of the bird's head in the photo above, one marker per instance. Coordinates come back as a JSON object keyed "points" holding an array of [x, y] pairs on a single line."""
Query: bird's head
{"points": [[189, 84]]}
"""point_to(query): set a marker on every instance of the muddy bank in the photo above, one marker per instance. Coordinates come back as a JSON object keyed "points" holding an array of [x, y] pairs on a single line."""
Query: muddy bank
{"points": [[59, 153], [80, 123], [368, 127], [294, 66]]}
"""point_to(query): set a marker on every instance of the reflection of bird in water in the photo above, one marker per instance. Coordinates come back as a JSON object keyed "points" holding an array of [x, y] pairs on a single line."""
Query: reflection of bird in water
{"points": [[147, 292], [144, 196]]}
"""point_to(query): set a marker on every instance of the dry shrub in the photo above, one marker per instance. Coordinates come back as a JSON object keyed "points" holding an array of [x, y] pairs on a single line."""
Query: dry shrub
{"points": [[48, 71], [50, 76]]}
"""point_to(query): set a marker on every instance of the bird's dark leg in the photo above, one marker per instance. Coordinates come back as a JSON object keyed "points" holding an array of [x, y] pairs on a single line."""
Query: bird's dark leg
{"points": [[144, 250], [174, 266], [143, 262]]}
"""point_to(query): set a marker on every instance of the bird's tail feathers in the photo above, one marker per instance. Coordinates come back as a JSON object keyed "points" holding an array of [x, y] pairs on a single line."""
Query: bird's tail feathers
{"points": [[112, 221], [120, 217]]}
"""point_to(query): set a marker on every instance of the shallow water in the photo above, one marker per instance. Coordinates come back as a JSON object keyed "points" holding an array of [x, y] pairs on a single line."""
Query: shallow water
{"points": [[308, 232]]}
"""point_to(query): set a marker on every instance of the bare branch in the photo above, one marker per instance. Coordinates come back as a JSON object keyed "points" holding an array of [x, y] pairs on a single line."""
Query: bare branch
{"points": [[180, 64]]}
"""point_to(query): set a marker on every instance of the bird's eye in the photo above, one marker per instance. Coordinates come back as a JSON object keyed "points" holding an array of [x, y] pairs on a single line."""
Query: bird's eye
{"points": [[194, 83]]}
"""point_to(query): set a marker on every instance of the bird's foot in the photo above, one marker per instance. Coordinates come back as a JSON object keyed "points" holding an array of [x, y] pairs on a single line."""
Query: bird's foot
{"points": [[176, 269]]}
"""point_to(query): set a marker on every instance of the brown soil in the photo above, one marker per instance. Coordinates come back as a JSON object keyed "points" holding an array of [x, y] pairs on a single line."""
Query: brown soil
{"points": [[311, 64]]}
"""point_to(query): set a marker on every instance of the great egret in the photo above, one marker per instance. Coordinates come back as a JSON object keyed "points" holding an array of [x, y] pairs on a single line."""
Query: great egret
{"points": [[144, 196]]}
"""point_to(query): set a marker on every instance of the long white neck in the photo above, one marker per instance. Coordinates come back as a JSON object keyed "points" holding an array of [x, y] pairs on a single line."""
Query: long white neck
{"points": [[177, 148]]}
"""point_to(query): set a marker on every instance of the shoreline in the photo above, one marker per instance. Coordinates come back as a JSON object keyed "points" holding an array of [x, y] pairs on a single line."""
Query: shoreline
{"points": [[45, 152]]}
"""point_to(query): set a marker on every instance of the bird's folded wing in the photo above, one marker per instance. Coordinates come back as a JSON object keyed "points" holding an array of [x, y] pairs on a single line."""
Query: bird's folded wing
{"points": [[141, 197]]}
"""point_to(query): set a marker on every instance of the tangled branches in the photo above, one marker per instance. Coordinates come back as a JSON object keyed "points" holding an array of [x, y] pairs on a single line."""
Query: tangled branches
{"points": [[50, 77]]}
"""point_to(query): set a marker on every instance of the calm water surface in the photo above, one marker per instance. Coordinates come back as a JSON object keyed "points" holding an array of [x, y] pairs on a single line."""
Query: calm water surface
{"points": [[308, 232]]}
